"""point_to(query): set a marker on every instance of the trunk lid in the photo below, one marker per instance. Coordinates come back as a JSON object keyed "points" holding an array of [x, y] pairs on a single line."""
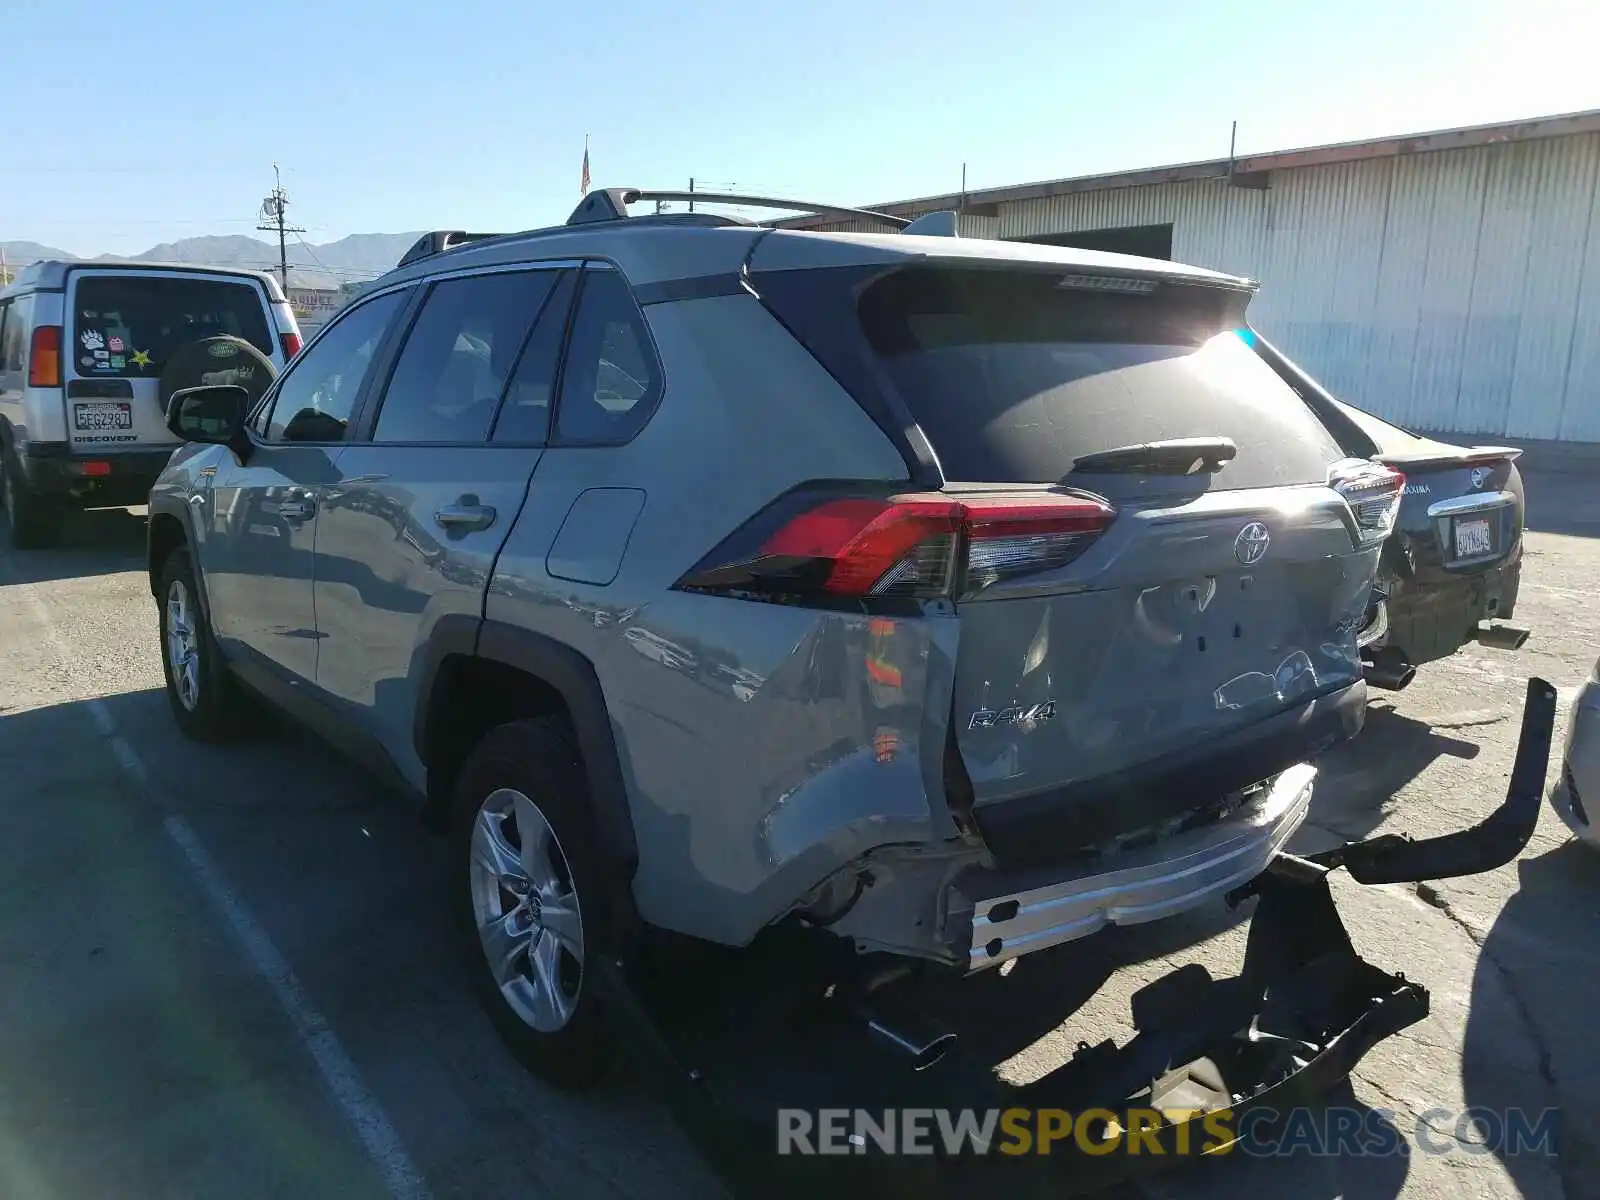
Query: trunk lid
{"points": [[1463, 505], [123, 324]]}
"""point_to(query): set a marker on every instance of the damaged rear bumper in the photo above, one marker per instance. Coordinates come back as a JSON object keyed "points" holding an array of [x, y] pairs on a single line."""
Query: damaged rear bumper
{"points": [[1012, 916], [1299, 1016]]}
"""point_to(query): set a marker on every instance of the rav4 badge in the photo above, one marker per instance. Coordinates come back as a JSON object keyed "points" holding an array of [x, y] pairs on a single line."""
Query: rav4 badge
{"points": [[1026, 715]]}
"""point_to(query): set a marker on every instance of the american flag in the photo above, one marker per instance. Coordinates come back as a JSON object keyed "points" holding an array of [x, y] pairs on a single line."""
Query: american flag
{"points": [[583, 186]]}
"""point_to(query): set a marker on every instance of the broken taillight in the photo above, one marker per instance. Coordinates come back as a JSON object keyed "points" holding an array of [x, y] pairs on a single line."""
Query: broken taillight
{"points": [[923, 546], [1373, 492]]}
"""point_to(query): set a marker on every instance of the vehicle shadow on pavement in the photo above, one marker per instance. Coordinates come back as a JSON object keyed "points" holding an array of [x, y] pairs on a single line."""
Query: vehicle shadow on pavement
{"points": [[1357, 782], [1530, 1039], [103, 541], [354, 894]]}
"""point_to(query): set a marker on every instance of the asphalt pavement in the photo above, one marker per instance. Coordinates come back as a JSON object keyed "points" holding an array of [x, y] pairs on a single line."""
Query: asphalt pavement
{"points": [[230, 970]]}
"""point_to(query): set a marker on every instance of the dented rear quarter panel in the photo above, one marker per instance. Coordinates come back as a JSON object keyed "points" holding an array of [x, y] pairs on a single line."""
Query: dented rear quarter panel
{"points": [[762, 746]]}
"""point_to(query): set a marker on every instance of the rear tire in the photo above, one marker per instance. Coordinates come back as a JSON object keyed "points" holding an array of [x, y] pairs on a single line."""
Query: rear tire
{"points": [[205, 700], [32, 521], [529, 898]]}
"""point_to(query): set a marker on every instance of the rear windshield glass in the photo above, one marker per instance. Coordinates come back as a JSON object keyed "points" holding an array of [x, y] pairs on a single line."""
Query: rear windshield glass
{"points": [[1012, 375], [130, 325]]}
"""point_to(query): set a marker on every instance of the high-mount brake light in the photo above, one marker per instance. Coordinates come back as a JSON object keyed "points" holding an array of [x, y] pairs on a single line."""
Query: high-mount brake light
{"points": [[922, 546], [1373, 492]]}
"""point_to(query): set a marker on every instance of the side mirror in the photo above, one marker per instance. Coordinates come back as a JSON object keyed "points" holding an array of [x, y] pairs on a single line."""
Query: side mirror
{"points": [[214, 414]]}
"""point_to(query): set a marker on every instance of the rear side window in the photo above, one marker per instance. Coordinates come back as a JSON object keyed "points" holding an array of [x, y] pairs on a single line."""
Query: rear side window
{"points": [[458, 356], [130, 325], [1014, 374], [610, 383], [525, 414]]}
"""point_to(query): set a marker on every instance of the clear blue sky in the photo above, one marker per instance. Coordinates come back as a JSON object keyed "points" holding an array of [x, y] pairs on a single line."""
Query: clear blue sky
{"points": [[136, 123]]}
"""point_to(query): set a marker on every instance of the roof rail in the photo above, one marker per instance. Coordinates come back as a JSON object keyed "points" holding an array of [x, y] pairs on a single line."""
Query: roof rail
{"points": [[438, 242], [611, 204]]}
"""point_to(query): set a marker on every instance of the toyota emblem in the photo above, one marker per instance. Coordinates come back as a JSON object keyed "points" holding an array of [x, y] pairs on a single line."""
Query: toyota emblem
{"points": [[1250, 547]]}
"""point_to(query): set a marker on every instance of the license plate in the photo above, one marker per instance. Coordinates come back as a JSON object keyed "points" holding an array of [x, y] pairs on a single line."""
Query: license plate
{"points": [[1474, 538], [102, 416]]}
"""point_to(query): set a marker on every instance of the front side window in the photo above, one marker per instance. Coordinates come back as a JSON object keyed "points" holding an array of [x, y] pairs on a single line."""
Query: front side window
{"points": [[317, 396], [128, 326], [611, 381], [458, 355]]}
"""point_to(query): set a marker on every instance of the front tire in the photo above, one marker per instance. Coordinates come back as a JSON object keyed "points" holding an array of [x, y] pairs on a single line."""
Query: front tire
{"points": [[530, 900], [204, 699]]}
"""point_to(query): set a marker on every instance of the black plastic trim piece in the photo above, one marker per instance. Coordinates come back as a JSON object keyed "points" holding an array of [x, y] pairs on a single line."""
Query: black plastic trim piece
{"points": [[1488, 845], [453, 635], [697, 287], [168, 508], [573, 677], [107, 389], [328, 722]]}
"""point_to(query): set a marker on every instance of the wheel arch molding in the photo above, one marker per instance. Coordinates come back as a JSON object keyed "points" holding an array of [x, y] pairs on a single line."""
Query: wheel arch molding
{"points": [[461, 642]]}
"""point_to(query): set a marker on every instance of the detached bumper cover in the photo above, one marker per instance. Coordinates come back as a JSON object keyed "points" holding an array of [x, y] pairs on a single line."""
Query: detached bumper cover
{"points": [[1301, 1014]]}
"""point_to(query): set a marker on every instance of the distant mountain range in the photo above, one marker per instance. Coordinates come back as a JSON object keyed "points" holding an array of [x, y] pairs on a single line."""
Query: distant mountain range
{"points": [[350, 259]]}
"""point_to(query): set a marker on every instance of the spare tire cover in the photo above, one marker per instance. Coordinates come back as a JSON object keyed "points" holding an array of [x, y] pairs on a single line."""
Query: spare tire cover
{"points": [[220, 359]]}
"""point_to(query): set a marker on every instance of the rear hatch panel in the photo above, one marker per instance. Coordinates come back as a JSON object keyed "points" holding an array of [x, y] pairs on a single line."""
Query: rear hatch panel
{"points": [[123, 324], [1157, 638], [1216, 598]]}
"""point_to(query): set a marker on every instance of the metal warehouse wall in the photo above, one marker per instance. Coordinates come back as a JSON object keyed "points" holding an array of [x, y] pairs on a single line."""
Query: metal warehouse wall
{"points": [[1455, 290]]}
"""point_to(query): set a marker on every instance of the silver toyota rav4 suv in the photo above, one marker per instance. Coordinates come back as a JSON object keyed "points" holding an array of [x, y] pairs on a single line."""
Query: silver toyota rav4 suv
{"points": [[946, 599]]}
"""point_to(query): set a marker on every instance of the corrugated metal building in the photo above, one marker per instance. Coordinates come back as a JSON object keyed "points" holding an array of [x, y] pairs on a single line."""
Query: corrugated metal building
{"points": [[1447, 281]]}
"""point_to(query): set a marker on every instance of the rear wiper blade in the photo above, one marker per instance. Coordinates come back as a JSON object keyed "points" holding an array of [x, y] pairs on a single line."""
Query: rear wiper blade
{"points": [[1173, 456]]}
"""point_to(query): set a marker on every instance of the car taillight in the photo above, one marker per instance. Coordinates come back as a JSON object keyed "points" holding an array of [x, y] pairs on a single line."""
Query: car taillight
{"points": [[291, 345], [921, 546], [44, 357], [1373, 492]]}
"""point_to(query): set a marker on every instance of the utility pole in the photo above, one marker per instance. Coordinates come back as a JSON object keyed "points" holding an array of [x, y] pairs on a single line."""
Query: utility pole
{"points": [[274, 212], [691, 193]]}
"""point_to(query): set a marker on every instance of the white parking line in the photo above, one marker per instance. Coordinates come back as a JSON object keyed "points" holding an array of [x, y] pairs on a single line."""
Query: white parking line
{"points": [[378, 1136]]}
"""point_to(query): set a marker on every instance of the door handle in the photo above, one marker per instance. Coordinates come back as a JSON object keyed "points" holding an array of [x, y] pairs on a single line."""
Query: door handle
{"points": [[297, 506], [465, 518]]}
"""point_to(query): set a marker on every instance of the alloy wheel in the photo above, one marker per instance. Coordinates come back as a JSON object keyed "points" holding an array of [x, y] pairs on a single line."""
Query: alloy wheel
{"points": [[526, 910], [183, 645]]}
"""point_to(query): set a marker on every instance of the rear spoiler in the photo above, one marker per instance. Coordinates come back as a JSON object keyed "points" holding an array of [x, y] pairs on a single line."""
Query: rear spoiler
{"points": [[1467, 457]]}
